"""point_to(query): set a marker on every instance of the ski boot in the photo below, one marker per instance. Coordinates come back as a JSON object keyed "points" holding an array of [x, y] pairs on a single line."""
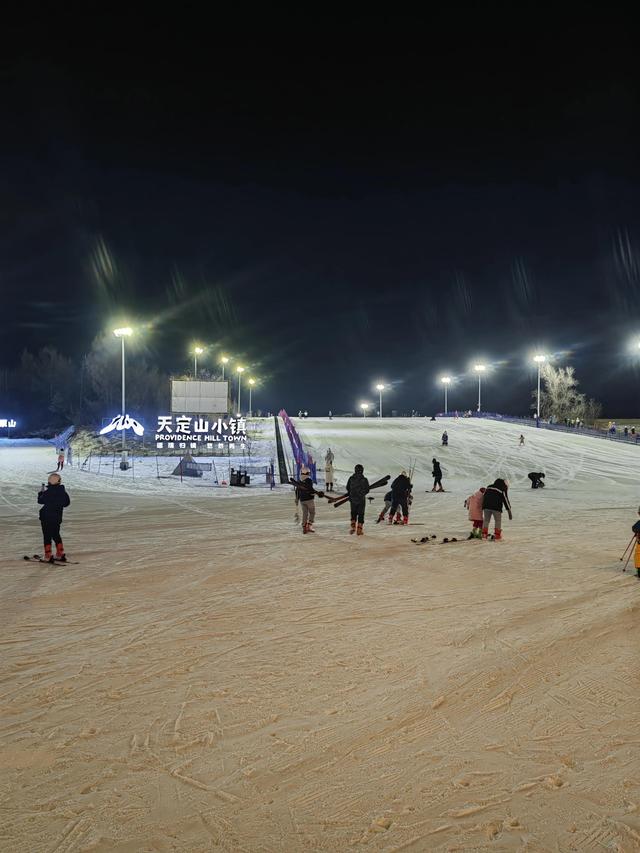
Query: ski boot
{"points": [[485, 532], [360, 530], [310, 528], [48, 556], [405, 520], [498, 534], [304, 528], [60, 555], [380, 518], [398, 519], [353, 528]]}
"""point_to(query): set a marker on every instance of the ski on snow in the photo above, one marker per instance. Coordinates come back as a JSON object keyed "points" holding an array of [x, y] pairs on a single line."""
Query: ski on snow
{"points": [[36, 558]]}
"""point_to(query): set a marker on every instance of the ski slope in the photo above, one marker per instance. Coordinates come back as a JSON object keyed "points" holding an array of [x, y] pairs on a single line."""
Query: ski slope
{"points": [[208, 678]]}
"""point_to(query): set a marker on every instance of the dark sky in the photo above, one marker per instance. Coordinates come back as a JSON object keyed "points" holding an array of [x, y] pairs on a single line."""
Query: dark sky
{"points": [[336, 204]]}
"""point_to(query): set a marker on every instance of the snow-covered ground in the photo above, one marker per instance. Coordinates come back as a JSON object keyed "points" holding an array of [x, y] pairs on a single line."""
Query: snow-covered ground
{"points": [[208, 678]]}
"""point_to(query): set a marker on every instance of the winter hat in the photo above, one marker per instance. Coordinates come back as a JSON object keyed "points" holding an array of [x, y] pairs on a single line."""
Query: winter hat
{"points": [[54, 479], [358, 469], [305, 470], [403, 473]]}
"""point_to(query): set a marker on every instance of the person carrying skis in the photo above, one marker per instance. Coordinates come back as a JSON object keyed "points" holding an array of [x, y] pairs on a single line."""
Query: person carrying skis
{"points": [[445, 439], [400, 493], [357, 489], [536, 478], [437, 476], [54, 499], [388, 500], [494, 500], [474, 504], [636, 553], [60, 459], [305, 498]]}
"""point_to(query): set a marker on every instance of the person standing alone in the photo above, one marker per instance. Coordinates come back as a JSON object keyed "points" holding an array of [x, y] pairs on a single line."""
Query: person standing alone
{"points": [[437, 476], [60, 459], [54, 499]]}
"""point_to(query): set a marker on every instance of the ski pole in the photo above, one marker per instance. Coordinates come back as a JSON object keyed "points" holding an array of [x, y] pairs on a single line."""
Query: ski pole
{"points": [[627, 548], [628, 558]]}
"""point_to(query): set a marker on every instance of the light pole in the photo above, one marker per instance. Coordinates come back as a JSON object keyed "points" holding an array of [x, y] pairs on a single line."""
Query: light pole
{"points": [[380, 389], [252, 382], [239, 371], [364, 407], [540, 360], [124, 332], [446, 380], [196, 352], [224, 361], [480, 369]]}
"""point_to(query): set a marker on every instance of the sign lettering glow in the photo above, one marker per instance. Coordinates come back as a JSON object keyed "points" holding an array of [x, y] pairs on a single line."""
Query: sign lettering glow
{"points": [[185, 430], [8, 423], [121, 422]]}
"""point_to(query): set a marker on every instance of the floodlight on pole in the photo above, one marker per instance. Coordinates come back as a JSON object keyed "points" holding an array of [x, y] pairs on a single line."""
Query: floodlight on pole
{"points": [[239, 371], [252, 382], [224, 361], [122, 333], [540, 360], [446, 381], [480, 369], [364, 407], [380, 389], [196, 352]]}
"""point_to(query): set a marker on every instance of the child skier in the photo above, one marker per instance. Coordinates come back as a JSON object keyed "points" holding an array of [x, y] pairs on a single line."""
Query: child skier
{"points": [[636, 554], [54, 499], [400, 493], [445, 439], [357, 489], [474, 504], [388, 500], [305, 498], [494, 500], [437, 476]]}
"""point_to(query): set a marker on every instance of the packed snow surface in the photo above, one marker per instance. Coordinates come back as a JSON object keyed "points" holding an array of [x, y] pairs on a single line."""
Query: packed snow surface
{"points": [[208, 678]]}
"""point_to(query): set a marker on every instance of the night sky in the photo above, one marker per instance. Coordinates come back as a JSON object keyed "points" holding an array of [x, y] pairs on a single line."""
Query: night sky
{"points": [[336, 205]]}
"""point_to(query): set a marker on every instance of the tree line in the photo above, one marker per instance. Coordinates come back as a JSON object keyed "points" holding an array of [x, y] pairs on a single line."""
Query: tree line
{"points": [[560, 398]]}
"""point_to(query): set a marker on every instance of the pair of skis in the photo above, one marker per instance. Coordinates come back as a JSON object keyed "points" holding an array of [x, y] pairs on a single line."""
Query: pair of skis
{"points": [[37, 558], [338, 500]]}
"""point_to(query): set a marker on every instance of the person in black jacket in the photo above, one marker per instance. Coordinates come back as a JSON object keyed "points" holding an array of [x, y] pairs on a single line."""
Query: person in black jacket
{"points": [[357, 489], [437, 476], [495, 499], [388, 500], [305, 497], [536, 478], [400, 492], [54, 499]]}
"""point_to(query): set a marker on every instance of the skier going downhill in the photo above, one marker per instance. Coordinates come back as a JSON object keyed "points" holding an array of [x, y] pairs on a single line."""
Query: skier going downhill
{"points": [[388, 500], [494, 501], [305, 498], [437, 476], [357, 489], [54, 499], [400, 493]]}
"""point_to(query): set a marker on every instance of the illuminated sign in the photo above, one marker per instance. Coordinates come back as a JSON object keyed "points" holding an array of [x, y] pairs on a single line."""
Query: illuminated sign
{"points": [[121, 422], [9, 423], [183, 431]]}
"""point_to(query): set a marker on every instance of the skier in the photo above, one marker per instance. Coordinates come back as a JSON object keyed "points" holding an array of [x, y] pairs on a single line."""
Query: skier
{"points": [[54, 499], [330, 415], [474, 504], [306, 499], [494, 500], [521, 441], [445, 439], [400, 493], [328, 475], [437, 476], [357, 488], [60, 459], [636, 555], [329, 456], [536, 478], [388, 500]]}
